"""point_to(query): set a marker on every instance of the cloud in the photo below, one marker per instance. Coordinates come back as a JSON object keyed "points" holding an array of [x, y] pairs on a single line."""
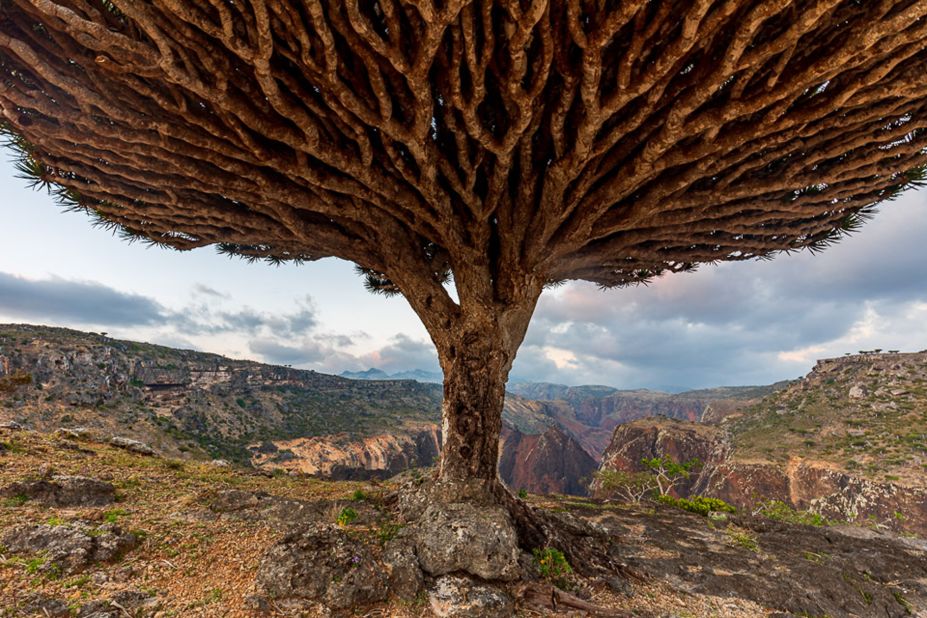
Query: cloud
{"points": [[91, 303], [204, 290], [401, 354], [281, 354], [741, 323], [81, 302]]}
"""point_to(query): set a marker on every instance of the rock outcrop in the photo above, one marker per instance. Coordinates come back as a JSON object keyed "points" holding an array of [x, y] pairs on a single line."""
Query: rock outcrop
{"points": [[551, 462], [803, 484], [69, 548], [346, 457], [62, 491], [658, 437]]}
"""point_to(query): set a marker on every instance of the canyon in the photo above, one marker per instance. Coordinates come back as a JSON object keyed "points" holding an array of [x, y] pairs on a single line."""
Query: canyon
{"points": [[197, 405]]}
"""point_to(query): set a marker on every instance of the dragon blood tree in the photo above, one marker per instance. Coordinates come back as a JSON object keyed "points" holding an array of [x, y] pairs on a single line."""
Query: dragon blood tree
{"points": [[504, 144]]}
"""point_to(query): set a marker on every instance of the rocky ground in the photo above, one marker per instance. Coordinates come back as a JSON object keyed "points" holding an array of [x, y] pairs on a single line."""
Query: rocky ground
{"points": [[92, 529]]}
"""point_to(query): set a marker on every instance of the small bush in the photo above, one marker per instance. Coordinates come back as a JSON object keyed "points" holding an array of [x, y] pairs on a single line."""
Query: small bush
{"points": [[743, 539], [358, 495], [551, 563], [14, 501], [112, 516], [523, 494], [780, 511], [388, 531], [700, 505], [346, 516]]}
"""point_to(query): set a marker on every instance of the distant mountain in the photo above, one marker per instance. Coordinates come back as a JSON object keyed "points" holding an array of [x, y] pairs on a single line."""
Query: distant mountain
{"points": [[419, 375]]}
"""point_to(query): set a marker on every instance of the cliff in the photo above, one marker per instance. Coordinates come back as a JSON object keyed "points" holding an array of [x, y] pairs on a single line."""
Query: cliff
{"points": [[346, 457], [547, 463], [848, 441]]}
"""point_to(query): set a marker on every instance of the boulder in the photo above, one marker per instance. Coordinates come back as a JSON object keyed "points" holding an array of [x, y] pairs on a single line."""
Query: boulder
{"points": [[11, 425], [322, 564], [38, 604], [133, 446], [69, 548], [63, 491], [475, 539], [453, 596], [404, 577]]}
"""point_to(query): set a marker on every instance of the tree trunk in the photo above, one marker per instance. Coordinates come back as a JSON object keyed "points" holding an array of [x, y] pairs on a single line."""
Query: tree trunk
{"points": [[476, 351], [474, 393]]}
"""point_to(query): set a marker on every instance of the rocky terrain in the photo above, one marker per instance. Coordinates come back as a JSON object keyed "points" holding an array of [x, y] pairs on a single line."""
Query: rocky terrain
{"points": [[203, 406], [91, 529], [849, 441]]}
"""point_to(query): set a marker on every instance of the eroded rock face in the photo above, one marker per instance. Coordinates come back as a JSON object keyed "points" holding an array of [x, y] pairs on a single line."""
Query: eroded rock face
{"points": [[551, 462], [64, 491], [346, 457], [453, 596], [803, 484], [470, 538], [656, 437], [69, 548], [322, 564]]}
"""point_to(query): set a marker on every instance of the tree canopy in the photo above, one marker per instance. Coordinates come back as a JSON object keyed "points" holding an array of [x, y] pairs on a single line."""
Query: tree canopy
{"points": [[601, 140]]}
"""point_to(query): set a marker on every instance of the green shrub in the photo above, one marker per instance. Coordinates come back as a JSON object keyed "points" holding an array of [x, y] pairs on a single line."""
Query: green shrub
{"points": [[700, 505], [551, 563], [358, 495], [388, 531], [112, 516], [346, 516], [17, 500], [743, 539], [523, 493], [780, 511]]}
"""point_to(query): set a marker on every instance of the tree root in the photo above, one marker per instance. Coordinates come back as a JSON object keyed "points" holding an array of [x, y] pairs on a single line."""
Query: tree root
{"points": [[547, 598], [589, 549]]}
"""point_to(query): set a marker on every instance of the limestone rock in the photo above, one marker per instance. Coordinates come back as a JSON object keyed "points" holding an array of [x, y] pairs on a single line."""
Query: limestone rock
{"points": [[459, 597], [64, 491], [475, 539], [133, 446], [322, 564], [857, 391], [404, 577], [69, 547]]}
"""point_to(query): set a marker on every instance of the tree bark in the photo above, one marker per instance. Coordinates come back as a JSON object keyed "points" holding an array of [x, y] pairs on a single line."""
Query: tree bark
{"points": [[474, 393], [476, 354]]}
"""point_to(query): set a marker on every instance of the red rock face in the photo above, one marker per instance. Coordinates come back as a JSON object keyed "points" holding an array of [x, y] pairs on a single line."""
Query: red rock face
{"points": [[551, 462], [648, 438]]}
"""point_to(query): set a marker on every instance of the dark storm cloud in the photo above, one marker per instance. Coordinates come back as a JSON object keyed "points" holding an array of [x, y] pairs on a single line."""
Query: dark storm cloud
{"points": [[81, 302], [734, 323]]}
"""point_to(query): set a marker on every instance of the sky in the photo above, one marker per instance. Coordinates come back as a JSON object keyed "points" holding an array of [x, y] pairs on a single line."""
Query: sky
{"points": [[731, 324]]}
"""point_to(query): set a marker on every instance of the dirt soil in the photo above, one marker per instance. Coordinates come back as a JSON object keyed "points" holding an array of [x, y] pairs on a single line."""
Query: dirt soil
{"points": [[205, 528]]}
